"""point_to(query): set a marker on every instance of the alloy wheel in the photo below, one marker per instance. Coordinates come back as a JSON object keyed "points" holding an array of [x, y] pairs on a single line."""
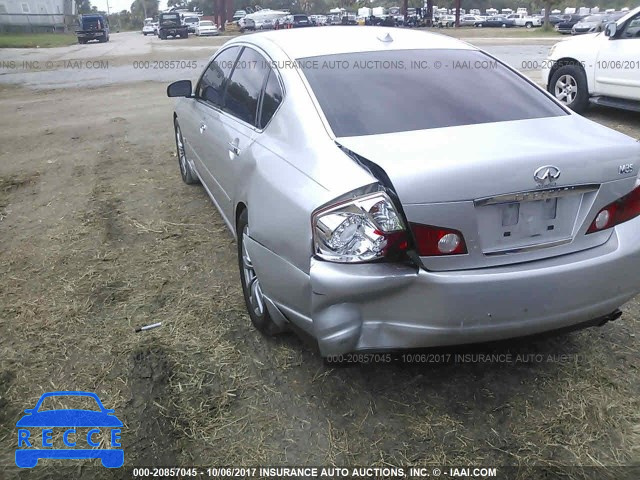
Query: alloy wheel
{"points": [[254, 290], [566, 89]]}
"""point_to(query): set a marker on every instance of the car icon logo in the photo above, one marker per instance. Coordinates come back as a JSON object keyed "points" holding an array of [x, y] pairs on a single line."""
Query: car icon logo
{"points": [[103, 428], [546, 175]]}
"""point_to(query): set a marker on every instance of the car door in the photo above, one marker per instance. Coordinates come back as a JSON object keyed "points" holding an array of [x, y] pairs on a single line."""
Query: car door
{"points": [[199, 121], [617, 69], [233, 128]]}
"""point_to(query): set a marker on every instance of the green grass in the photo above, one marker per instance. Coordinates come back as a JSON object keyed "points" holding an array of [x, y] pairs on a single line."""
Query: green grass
{"points": [[515, 32], [31, 40]]}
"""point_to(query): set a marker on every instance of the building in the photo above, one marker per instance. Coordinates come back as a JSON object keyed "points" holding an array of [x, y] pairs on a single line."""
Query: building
{"points": [[37, 15]]}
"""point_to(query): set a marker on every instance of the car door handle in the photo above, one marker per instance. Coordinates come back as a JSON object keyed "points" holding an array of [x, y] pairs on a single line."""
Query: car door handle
{"points": [[233, 148], [203, 127]]}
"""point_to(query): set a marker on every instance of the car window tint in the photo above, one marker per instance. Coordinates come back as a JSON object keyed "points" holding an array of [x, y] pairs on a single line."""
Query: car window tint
{"points": [[211, 86], [245, 85], [397, 91], [271, 99]]}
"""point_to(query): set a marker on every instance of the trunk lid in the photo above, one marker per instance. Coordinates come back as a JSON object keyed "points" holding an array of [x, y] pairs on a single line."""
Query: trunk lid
{"points": [[464, 177]]}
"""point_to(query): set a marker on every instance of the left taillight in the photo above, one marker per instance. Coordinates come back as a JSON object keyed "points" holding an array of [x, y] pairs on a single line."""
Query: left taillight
{"points": [[363, 229], [620, 211]]}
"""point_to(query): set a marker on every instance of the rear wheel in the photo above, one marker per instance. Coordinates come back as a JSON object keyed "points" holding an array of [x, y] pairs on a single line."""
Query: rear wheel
{"points": [[528, 25], [569, 85], [251, 288]]}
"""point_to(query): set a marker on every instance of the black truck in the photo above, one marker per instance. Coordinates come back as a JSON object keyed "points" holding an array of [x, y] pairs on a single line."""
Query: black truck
{"points": [[170, 25], [92, 27]]}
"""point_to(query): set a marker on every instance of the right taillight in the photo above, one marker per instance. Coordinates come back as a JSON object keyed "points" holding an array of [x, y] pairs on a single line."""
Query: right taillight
{"points": [[623, 209], [437, 241]]}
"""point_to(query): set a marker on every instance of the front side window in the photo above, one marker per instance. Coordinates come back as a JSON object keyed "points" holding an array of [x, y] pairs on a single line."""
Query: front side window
{"points": [[632, 28], [243, 91], [211, 86], [396, 91]]}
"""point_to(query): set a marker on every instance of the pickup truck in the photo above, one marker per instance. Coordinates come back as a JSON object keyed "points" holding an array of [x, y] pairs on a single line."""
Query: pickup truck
{"points": [[525, 20], [92, 27], [599, 68], [170, 25]]}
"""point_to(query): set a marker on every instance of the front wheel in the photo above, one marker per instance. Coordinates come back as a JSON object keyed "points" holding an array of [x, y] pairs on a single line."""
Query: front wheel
{"points": [[251, 287], [569, 85], [529, 25], [186, 172]]}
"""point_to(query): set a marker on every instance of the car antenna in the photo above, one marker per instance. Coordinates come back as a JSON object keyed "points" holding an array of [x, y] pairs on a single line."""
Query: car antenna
{"points": [[386, 39]]}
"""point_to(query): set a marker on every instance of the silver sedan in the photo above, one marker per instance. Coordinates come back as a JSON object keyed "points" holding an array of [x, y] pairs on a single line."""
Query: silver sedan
{"points": [[395, 189]]}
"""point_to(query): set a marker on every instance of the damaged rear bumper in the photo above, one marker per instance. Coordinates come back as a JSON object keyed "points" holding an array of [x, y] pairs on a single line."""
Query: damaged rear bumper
{"points": [[389, 306]]}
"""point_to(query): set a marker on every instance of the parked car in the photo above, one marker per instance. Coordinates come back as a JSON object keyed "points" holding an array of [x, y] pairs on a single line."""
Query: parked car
{"points": [[594, 23], [591, 68], [92, 27], [469, 20], [191, 22], [245, 24], [206, 27], [553, 19], [525, 20], [148, 28], [345, 232], [266, 24], [446, 21], [297, 21], [566, 25], [170, 25], [496, 21]]}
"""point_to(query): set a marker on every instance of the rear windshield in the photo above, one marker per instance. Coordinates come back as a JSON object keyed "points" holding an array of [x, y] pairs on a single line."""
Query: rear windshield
{"points": [[92, 23], [170, 19], [371, 93]]}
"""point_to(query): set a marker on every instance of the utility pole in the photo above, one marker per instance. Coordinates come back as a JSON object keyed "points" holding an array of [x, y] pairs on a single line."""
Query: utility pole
{"points": [[457, 13]]}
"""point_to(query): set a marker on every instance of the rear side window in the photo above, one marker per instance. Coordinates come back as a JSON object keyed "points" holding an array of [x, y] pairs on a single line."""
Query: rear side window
{"points": [[245, 85], [271, 99], [212, 83], [373, 93]]}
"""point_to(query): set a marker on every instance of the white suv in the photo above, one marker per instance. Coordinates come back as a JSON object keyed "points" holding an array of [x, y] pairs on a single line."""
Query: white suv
{"points": [[601, 68]]}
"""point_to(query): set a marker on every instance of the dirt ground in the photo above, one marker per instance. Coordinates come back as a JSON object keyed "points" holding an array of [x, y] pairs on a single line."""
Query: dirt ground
{"points": [[99, 235]]}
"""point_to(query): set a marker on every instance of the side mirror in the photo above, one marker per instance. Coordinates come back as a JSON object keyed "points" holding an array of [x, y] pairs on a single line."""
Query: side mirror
{"points": [[181, 88], [610, 29]]}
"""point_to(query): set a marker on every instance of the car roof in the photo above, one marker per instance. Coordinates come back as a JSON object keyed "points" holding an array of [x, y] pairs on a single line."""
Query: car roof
{"points": [[313, 42]]}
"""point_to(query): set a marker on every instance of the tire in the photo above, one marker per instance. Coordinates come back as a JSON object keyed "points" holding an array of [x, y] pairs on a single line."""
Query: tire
{"points": [[504, 25], [251, 289], [569, 86], [528, 25], [145, 34], [187, 174]]}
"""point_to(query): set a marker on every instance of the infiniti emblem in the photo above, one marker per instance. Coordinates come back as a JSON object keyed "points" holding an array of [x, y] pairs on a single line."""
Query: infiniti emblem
{"points": [[546, 175]]}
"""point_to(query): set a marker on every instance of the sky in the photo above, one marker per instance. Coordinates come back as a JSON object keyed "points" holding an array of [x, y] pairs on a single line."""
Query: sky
{"points": [[119, 5]]}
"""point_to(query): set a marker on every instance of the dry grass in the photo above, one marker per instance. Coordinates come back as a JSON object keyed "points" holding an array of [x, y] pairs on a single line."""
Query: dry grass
{"points": [[133, 246]]}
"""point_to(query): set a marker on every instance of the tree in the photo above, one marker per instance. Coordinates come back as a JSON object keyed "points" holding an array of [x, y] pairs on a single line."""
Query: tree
{"points": [[83, 6], [547, 11], [141, 9]]}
